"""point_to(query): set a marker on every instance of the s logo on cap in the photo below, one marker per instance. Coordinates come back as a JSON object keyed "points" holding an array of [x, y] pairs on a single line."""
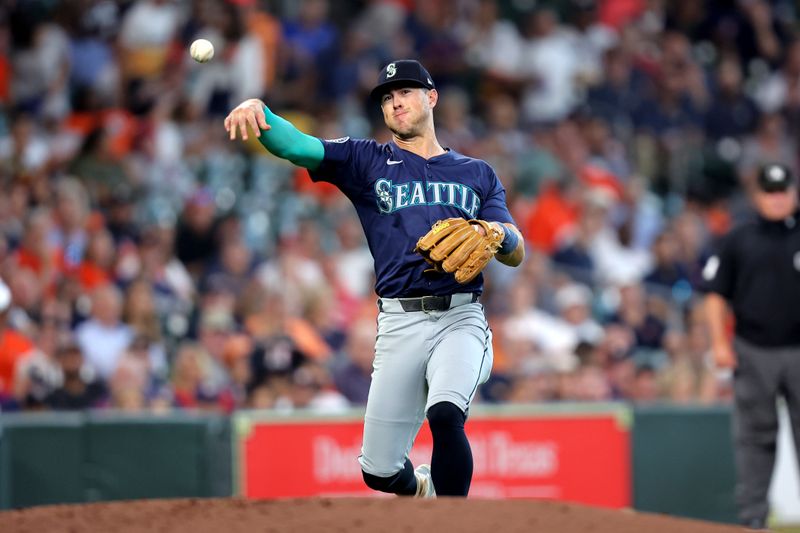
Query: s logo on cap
{"points": [[391, 70]]}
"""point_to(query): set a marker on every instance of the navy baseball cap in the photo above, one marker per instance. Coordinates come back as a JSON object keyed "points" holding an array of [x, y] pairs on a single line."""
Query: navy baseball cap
{"points": [[402, 73], [775, 178]]}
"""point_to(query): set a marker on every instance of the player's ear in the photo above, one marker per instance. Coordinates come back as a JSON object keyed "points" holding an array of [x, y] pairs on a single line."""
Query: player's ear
{"points": [[433, 97]]}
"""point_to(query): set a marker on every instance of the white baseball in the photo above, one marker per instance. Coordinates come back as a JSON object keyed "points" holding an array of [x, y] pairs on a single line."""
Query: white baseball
{"points": [[202, 50]]}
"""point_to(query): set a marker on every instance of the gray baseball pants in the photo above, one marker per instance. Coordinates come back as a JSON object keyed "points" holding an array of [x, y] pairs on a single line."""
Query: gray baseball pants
{"points": [[762, 374], [421, 358]]}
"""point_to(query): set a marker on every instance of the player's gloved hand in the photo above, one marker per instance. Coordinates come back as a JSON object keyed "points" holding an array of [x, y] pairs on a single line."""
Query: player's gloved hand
{"points": [[250, 112], [461, 247]]}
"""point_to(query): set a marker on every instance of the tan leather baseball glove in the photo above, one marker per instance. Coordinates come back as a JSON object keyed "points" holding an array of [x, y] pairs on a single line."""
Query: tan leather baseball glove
{"points": [[454, 245]]}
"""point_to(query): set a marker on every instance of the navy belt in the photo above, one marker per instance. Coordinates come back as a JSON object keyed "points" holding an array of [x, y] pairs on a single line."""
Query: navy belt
{"points": [[426, 303]]}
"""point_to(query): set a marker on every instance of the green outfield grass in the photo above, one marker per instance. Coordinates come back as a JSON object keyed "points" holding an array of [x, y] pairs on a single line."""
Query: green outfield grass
{"points": [[787, 529]]}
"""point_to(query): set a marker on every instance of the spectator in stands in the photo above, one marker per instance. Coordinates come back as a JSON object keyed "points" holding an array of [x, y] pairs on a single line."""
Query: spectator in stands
{"points": [[141, 313], [692, 236], [617, 352], [352, 372], [573, 254], [13, 347], [236, 357], [27, 295], [352, 261], [127, 385], [96, 267], [491, 44], [38, 373], [37, 253], [690, 376], [140, 377], [71, 218], [633, 312], [239, 67], [549, 66], [614, 256], [605, 151], [233, 267], [645, 385], [156, 261], [779, 91], [574, 302], [189, 379], [148, 28], [216, 326], [553, 337], [668, 274], [40, 62], [621, 90], [24, 153], [80, 388], [311, 388], [591, 39], [671, 111], [760, 36], [590, 384], [98, 167], [195, 238], [731, 113], [533, 386], [103, 338], [310, 40], [456, 126]]}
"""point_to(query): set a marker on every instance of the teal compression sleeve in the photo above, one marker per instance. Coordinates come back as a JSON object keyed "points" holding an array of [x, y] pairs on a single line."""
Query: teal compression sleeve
{"points": [[287, 142]]}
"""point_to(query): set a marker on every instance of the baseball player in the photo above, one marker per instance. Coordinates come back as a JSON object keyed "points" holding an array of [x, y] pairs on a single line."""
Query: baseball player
{"points": [[432, 218], [757, 270]]}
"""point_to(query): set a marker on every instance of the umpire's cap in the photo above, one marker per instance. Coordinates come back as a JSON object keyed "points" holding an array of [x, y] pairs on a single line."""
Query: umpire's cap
{"points": [[775, 177], [401, 73]]}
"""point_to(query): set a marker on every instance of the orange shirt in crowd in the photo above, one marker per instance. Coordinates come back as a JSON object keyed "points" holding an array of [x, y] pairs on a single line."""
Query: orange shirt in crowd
{"points": [[550, 218], [617, 13], [13, 347], [90, 276], [29, 260], [120, 125], [34, 263], [718, 220]]}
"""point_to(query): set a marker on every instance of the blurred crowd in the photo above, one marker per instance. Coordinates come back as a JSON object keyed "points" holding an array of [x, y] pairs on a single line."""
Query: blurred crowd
{"points": [[149, 264]]}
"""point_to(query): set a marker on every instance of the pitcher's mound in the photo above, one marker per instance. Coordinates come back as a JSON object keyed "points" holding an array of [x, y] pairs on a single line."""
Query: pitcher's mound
{"points": [[343, 515]]}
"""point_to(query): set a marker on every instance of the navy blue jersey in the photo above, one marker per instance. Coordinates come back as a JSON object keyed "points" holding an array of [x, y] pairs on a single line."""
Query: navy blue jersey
{"points": [[398, 196]]}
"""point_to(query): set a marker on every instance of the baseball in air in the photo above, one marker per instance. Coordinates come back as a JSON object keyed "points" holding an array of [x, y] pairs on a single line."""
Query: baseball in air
{"points": [[202, 50]]}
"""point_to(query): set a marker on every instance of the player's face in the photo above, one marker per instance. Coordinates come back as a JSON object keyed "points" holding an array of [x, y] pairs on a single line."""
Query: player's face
{"points": [[776, 205], [407, 110]]}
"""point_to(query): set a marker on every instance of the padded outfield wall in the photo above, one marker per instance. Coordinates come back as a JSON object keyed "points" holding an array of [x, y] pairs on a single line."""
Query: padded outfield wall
{"points": [[666, 459]]}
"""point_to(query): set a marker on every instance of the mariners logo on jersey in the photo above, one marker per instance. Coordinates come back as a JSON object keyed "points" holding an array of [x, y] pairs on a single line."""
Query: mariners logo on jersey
{"points": [[391, 197]]}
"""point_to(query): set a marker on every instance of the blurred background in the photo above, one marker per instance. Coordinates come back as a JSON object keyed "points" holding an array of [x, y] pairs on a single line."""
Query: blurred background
{"points": [[150, 265], [140, 246]]}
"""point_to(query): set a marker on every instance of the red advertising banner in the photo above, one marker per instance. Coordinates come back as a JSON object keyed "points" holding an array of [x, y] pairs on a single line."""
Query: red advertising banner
{"points": [[583, 458]]}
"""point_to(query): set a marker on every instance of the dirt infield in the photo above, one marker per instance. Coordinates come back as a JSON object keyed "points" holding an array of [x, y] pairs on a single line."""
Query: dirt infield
{"points": [[342, 515]]}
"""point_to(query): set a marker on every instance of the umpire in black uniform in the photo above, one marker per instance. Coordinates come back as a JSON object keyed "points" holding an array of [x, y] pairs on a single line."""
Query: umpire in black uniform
{"points": [[756, 269]]}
